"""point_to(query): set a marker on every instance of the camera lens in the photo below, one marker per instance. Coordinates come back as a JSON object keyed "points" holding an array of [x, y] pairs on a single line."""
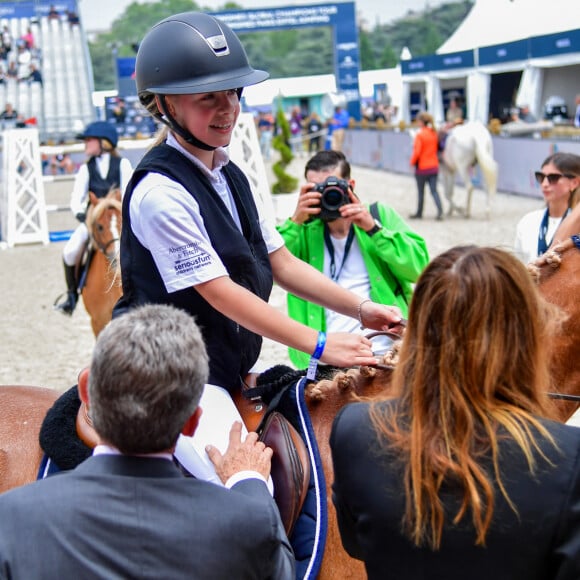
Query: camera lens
{"points": [[333, 198]]}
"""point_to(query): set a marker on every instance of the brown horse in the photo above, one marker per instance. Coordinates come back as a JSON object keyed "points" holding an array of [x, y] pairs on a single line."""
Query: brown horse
{"points": [[559, 282], [102, 286], [22, 410]]}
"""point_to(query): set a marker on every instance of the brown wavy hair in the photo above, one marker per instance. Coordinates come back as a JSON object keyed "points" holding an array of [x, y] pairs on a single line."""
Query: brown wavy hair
{"points": [[474, 361]]}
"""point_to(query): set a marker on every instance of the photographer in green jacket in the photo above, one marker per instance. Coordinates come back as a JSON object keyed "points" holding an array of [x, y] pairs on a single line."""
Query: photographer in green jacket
{"points": [[368, 249]]}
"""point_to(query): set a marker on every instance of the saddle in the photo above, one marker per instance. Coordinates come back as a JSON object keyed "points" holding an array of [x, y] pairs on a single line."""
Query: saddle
{"points": [[290, 462]]}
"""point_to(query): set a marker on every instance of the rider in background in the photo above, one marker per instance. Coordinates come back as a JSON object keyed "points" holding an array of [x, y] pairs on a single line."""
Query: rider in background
{"points": [[379, 257], [192, 234], [104, 170]]}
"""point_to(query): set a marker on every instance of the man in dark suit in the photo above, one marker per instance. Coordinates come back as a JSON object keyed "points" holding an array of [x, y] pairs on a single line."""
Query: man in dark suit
{"points": [[127, 511]]}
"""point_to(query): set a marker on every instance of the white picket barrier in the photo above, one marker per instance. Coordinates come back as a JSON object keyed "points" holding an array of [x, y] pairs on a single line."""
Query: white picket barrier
{"points": [[22, 203]]}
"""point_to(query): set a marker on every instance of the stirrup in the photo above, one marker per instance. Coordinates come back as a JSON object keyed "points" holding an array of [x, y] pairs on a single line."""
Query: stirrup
{"points": [[66, 306]]}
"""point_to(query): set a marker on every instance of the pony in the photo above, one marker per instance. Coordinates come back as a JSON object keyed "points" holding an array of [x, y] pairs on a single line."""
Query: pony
{"points": [[556, 273], [466, 145], [100, 286]]}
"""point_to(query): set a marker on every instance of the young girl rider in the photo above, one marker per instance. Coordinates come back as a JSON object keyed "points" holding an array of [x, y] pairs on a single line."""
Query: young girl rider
{"points": [[104, 170], [192, 235]]}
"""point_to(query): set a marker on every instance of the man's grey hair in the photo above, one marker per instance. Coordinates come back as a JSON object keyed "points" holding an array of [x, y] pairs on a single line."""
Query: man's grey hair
{"points": [[147, 375]]}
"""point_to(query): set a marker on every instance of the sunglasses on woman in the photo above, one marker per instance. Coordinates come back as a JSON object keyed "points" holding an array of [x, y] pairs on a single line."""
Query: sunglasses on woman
{"points": [[552, 178]]}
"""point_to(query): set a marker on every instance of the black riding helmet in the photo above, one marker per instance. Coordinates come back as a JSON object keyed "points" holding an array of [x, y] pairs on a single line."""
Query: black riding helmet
{"points": [[190, 53]]}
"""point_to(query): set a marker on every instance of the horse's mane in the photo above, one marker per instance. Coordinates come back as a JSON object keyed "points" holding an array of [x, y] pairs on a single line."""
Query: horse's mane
{"points": [[111, 201]]}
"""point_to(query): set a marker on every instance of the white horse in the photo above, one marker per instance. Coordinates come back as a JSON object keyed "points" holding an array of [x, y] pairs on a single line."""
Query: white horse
{"points": [[465, 146]]}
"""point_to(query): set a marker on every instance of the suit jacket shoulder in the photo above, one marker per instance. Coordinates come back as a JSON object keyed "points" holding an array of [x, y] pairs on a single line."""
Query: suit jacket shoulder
{"points": [[85, 522]]}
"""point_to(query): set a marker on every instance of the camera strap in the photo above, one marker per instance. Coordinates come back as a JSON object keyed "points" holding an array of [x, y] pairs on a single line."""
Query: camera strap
{"points": [[334, 275]]}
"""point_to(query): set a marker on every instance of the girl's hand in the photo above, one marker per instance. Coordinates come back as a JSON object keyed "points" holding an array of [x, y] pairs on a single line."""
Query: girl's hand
{"points": [[346, 349]]}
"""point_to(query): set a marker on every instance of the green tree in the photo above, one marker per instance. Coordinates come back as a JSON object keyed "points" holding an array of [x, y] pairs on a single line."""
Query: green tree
{"points": [[367, 55], [388, 58], [286, 183]]}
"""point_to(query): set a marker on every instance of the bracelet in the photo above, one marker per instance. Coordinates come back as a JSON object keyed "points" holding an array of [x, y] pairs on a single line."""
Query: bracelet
{"points": [[359, 312], [313, 364], [576, 239], [320, 344]]}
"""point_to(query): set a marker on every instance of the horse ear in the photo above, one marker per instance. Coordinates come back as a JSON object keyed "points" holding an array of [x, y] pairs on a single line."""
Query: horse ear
{"points": [[116, 193], [94, 199]]}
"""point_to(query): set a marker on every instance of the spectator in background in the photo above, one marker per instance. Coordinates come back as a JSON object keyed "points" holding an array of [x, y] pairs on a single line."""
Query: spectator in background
{"points": [[53, 13], [339, 123], [577, 114], [119, 111], [3, 54], [23, 62], [9, 113], [34, 76], [62, 164], [28, 39], [12, 72], [6, 39], [426, 163], [523, 114], [72, 18], [559, 179], [296, 130], [314, 127], [454, 114], [265, 132]]}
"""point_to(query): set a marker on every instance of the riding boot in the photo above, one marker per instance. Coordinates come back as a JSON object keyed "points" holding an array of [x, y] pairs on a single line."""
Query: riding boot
{"points": [[68, 306]]}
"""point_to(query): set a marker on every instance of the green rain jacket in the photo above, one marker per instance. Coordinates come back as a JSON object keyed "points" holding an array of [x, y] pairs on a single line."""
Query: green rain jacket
{"points": [[395, 257]]}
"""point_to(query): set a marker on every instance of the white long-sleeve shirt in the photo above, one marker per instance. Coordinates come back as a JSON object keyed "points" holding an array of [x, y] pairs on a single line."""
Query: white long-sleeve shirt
{"points": [[80, 192]]}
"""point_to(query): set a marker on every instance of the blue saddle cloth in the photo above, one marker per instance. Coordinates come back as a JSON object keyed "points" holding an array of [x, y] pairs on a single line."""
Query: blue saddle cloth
{"points": [[308, 538]]}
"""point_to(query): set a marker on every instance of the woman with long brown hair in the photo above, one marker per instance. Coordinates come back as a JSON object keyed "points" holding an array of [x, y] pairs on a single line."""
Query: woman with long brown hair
{"points": [[462, 473]]}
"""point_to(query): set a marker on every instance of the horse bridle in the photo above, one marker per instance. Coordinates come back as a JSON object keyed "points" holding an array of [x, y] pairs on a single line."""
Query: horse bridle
{"points": [[103, 247]]}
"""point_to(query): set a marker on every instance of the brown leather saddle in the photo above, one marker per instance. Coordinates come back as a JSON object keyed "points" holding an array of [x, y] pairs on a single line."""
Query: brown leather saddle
{"points": [[290, 462]]}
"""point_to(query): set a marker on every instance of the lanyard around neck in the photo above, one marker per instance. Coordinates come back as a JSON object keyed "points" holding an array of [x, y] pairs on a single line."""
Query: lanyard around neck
{"points": [[542, 242], [330, 247]]}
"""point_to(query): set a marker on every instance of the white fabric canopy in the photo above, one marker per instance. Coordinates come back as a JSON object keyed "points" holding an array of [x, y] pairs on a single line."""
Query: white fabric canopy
{"points": [[499, 21], [530, 90], [478, 92], [435, 100]]}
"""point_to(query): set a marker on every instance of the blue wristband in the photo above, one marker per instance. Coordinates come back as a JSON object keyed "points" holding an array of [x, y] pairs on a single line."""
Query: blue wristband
{"points": [[313, 364], [576, 239], [320, 344]]}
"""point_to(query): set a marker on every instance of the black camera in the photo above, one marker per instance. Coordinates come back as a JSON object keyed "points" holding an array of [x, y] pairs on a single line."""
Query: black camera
{"points": [[334, 195]]}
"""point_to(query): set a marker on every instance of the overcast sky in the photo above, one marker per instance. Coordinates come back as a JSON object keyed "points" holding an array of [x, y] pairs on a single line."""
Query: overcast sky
{"points": [[98, 14]]}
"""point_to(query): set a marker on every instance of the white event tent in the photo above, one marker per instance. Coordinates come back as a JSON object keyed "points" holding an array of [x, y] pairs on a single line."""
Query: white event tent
{"points": [[540, 41]]}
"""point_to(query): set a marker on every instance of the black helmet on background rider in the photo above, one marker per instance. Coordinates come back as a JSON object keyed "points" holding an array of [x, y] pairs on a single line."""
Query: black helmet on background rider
{"points": [[103, 131], [190, 53]]}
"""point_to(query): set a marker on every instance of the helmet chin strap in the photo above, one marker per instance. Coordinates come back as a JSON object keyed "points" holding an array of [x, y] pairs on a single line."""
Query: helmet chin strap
{"points": [[168, 120]]}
